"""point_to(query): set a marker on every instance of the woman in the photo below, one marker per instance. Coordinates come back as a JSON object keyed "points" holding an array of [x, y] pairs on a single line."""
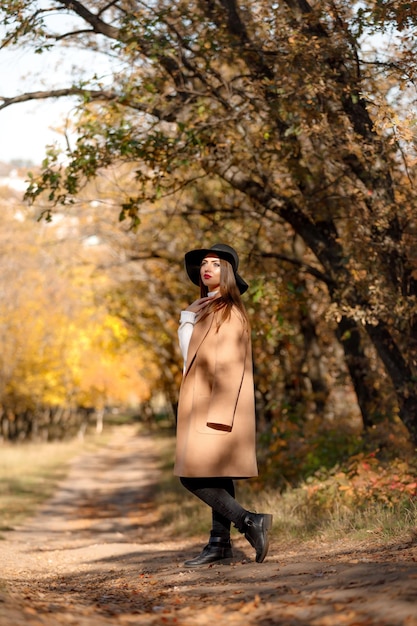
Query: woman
{"points": [[216, 408]]}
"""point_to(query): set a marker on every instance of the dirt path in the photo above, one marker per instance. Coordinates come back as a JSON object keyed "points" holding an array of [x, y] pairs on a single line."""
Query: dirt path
{"points": [[94, 556]]}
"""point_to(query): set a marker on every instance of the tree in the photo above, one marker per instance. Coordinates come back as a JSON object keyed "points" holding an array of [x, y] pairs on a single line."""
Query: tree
{"points": [[280, 102]]}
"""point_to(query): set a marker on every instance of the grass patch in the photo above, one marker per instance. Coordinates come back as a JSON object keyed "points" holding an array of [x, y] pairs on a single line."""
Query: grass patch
{"points": [[316, 509], [297, 518]]}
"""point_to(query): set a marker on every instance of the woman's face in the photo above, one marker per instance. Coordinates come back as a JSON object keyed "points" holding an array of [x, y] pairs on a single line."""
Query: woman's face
{"points": [[210, 272]]}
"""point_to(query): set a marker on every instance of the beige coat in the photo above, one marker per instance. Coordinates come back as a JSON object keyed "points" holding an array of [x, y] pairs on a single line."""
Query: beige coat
{"points": [[216, 409]]}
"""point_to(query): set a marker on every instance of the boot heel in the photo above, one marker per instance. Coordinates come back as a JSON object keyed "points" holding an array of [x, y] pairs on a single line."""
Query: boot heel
{"points": [[257, 526], [218, 549]]}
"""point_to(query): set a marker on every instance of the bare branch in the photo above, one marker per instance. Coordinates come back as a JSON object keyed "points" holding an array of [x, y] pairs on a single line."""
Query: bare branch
{"points": [[95, 22], [108, 5], [59, 93], [74, 33], [90, 94]]}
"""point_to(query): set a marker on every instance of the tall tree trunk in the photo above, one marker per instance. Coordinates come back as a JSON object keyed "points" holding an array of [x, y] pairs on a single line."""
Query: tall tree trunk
{"points": [[312, 359], [400, 373], [358, 364]]}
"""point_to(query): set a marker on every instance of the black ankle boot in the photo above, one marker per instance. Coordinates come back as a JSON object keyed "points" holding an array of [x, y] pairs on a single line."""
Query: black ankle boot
{"points": [[256, 529], [217, 549]]}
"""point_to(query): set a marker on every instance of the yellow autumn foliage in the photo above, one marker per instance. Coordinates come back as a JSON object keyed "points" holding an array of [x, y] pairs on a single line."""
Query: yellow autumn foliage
{"points": [[60, 345]]}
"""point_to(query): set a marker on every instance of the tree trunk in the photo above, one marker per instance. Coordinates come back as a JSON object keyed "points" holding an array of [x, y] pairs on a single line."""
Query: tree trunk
{"points": [[401, 375], [358, 364], [312, 359]]}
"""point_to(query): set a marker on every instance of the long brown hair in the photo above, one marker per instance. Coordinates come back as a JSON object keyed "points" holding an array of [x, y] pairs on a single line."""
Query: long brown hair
{"points": [[229, 298]]}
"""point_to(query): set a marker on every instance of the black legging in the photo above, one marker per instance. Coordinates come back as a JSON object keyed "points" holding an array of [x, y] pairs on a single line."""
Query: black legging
{"points": [[219, 494]]}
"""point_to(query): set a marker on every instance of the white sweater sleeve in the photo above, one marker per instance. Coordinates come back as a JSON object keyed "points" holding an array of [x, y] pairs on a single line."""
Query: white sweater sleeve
{"points": [[185, 330]]}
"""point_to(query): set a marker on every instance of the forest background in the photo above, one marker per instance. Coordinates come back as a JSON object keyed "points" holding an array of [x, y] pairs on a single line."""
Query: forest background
{"points": [[284, 128]]}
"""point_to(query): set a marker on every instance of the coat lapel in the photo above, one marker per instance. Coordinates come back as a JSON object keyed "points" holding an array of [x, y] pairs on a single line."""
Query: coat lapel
{"points": [[200, 332]]}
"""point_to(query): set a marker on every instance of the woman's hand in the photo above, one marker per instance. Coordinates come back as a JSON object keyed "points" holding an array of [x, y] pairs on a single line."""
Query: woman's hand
{"points": [[198, 305]]}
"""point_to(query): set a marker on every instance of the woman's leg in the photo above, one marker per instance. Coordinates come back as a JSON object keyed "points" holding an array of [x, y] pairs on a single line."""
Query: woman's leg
{"points": [[220, 524], [219, 494]]}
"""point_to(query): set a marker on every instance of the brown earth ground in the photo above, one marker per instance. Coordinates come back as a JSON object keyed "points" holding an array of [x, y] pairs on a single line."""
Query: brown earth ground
{"points": [[95, 555]]}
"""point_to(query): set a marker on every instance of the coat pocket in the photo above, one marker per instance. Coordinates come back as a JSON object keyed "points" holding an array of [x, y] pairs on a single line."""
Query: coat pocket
{"points": [[200, 414]]}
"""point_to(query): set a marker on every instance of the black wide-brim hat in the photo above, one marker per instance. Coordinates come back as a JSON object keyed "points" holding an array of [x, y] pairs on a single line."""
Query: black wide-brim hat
{"points": [[194, 258]]}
